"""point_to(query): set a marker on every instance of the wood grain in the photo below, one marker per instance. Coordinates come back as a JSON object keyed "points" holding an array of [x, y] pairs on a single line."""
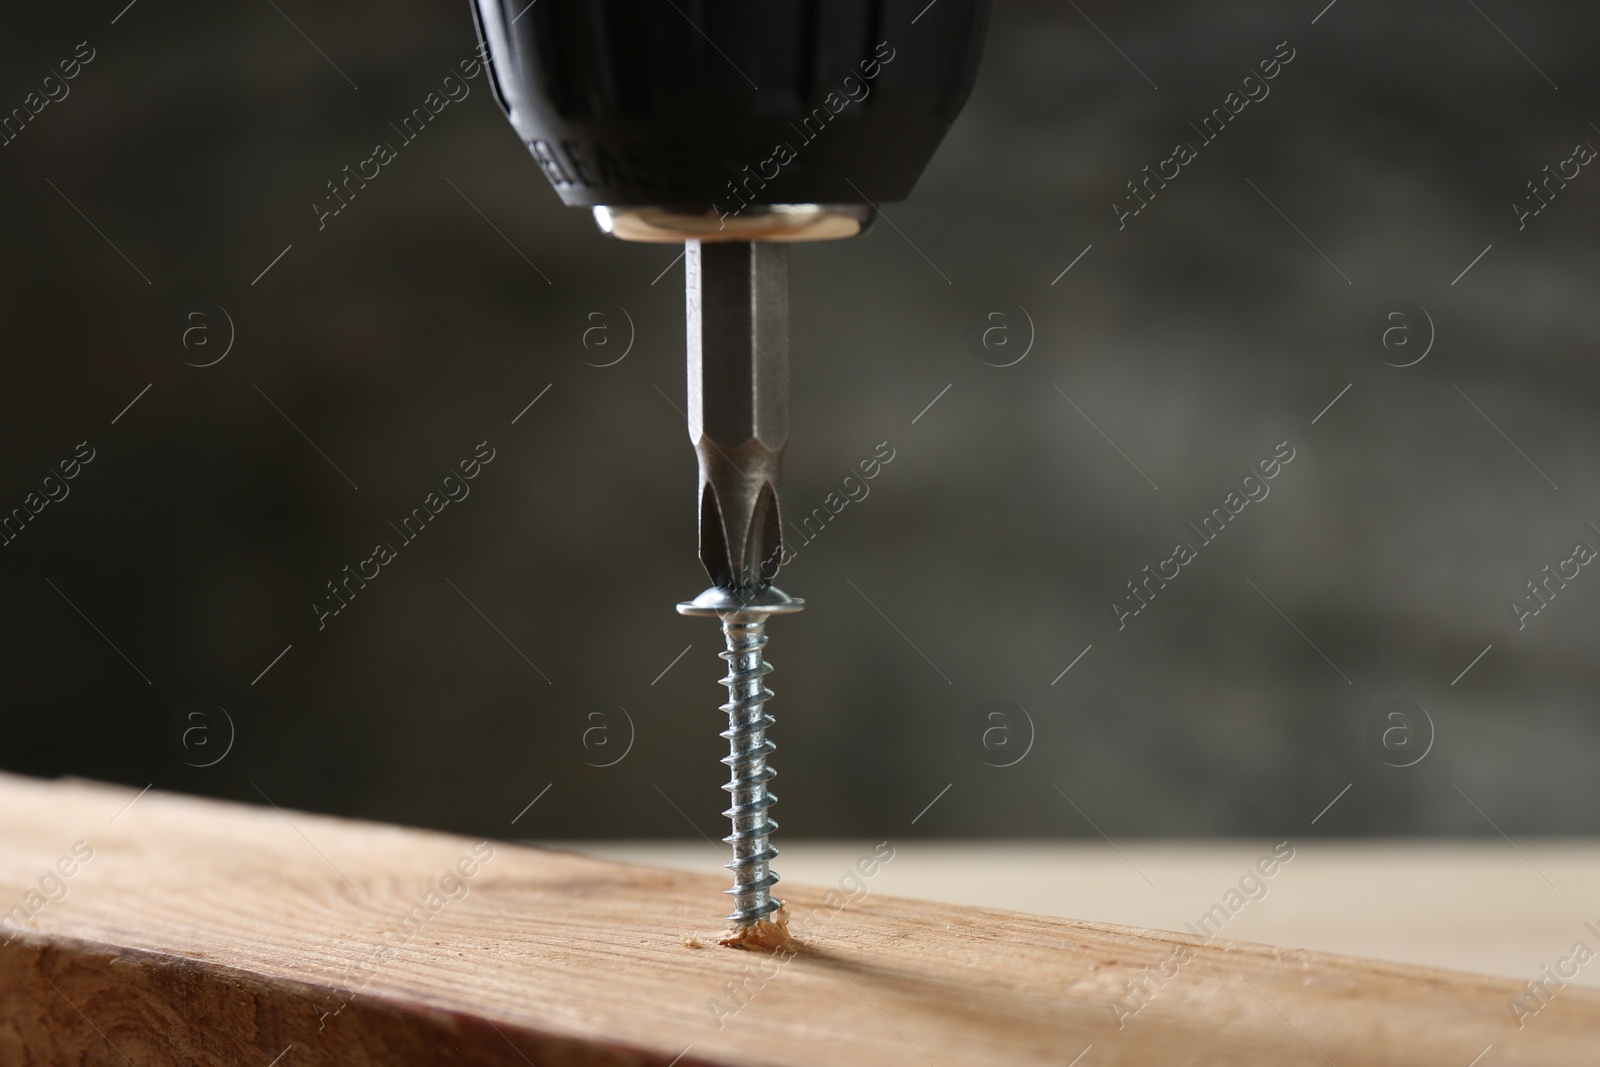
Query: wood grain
{"points": [[209, 933]]}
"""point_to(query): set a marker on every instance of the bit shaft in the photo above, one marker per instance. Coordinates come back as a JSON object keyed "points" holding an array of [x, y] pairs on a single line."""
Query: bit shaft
{"points": [[738, 314]]}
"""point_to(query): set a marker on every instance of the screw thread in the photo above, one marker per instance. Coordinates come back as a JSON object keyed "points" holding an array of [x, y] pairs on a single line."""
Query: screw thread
{"points": [[748, 749]]}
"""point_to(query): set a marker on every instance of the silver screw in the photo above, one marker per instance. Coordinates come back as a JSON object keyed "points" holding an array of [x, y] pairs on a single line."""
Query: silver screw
{"points": [[744, 623]]}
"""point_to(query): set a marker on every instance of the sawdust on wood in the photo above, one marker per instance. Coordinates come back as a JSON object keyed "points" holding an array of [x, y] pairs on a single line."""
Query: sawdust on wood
{"points": [[767, 935]]}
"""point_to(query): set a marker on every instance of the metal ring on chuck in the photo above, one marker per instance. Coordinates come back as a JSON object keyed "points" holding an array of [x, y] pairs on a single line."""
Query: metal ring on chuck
{"points": [[757, 222]]}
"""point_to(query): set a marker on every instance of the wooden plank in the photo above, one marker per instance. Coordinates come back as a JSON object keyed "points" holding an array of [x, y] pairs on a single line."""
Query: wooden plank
{"points": [[179, 931], [1473, 904]]}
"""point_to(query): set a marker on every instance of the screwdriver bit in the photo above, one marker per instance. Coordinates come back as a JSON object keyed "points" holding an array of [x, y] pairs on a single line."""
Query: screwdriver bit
{"points": [[738, 313]]}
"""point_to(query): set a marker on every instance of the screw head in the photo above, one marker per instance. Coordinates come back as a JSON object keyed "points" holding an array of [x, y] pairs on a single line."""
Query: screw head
{"points": [[729, 603]]}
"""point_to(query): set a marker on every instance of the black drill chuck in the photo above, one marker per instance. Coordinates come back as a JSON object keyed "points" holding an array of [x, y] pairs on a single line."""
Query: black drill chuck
{"points": [[731, 104]]}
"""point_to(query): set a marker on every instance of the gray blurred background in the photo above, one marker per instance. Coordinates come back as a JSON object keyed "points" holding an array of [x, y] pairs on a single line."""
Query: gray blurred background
{"points": [[378, 351]]}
